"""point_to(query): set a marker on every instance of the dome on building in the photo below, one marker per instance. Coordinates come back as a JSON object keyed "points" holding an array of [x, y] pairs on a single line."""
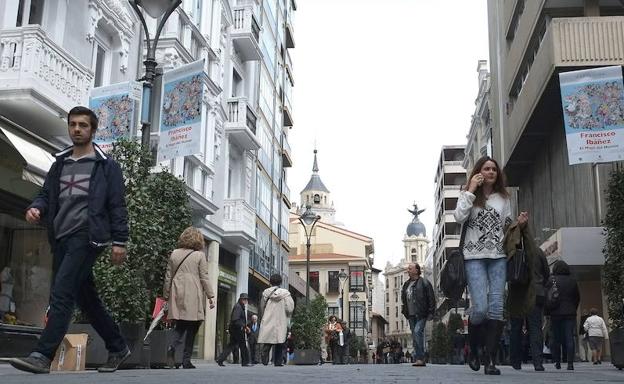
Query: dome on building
{"points": [[416, 227]]}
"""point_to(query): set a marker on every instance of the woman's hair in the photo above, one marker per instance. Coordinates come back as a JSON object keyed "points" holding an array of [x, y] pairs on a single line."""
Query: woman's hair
{"points": [[593, 312], [191, 238], [331, 317], [561, 268], [498, 187]]}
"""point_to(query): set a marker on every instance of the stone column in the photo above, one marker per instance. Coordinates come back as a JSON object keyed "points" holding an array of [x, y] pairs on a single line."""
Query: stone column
{"points": [[210, 325], [242, 272]]}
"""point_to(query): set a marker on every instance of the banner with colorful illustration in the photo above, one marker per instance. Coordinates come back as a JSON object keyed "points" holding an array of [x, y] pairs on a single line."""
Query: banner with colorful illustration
{"points": [[181, 111], [117, 108], [593, 114]]}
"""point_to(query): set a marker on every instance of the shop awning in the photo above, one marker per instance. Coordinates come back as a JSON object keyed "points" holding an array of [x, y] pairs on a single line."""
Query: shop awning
{"points": [[38, 160]]}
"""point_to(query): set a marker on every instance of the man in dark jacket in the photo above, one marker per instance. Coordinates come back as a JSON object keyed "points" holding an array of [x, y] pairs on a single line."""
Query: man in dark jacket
{"points": [[254, 329], [83, 206], [541, 273], [238, 330], [418, 305]]}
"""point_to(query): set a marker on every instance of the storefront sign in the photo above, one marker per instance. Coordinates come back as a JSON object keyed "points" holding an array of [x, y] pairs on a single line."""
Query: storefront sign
{"points": [[593, 114], [181, 111], [227, 276], [116, 107]]}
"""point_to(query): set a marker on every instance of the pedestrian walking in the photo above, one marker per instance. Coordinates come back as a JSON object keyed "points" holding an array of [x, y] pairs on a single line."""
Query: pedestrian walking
{"points": [[458, 342], [276, 306], [418, 306], [563, 317], [254, 329], [583, 338], [82, 203], [238, 330], [186, 288], [484, 208], [597, 332], [331, 336], [342, 344], [533, 319]]}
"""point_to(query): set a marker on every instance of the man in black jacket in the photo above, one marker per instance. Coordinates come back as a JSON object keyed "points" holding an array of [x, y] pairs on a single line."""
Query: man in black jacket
{"points": [[254, 329], [83, 205], [418, 305], [238, 330]]}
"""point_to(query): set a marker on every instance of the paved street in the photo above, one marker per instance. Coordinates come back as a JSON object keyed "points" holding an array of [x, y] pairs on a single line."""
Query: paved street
{"points": [[432, 374]]}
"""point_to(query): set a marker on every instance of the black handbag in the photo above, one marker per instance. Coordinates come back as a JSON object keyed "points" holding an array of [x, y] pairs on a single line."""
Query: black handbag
{"points": [[552, 295], [453, 273], [518, 268]]}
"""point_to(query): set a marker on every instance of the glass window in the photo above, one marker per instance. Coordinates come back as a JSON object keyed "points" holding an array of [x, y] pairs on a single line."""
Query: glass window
{"points": [[356, 314], [356, 279], [333, 285], [314, 280], [333, 310], [263, 197], [34, 13]]}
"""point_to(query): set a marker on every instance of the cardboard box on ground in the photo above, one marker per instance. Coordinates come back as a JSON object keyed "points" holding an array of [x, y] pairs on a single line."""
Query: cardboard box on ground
{"points": [[71, 355]]}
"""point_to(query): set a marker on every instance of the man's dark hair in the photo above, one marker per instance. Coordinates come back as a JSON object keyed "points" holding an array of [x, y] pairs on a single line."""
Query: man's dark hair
{"points": [[84, 111], [276, 279], [593, 312]]}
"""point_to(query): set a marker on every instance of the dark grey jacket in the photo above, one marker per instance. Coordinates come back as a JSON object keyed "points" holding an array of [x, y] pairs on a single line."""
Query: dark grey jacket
{"points": [[422, 297]]}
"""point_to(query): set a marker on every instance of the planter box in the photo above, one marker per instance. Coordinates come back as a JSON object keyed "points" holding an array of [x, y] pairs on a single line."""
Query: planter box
{"points": [[306, 357], [616, 338], [159, 341], [18, 340]]}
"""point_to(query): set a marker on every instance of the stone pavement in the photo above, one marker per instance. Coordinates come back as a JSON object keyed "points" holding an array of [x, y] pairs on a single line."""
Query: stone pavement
{"points": [[389, 374]]}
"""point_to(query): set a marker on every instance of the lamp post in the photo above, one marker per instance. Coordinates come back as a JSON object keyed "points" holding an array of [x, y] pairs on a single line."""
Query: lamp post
{"points": [[157, 9], [308, 219], [342, 277]]}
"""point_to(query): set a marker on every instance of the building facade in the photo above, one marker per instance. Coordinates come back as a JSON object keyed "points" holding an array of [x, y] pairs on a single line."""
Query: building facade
{"points": [[450, 177], [531, 42], [415, 247], [480, 135], [52, 55]]}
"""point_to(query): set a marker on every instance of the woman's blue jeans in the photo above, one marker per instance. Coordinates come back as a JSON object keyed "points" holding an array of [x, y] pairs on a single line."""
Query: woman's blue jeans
{"points": [[486, 285]]}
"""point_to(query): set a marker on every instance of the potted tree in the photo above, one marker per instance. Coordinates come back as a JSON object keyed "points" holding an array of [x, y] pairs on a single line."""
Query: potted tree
{"points": [[613, 275], [307, 328], [438, 350], [158, 211]]}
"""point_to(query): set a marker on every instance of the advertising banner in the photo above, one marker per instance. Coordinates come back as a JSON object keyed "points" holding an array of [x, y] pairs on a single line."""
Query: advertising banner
{"points": [[117, 108], [181, 111], [593, 114]]}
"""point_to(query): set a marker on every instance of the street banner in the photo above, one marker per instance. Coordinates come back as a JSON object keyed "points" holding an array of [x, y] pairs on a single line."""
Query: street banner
{"points": [[117, 108], [593, 114], [181, 111]]}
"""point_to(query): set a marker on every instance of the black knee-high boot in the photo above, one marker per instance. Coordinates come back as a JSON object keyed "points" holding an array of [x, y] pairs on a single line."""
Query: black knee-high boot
{"points": [[494, 329], [475, 338]]}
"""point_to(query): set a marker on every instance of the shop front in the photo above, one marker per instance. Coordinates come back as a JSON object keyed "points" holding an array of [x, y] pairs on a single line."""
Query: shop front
{"points": [[25, 256], [225, 301]]}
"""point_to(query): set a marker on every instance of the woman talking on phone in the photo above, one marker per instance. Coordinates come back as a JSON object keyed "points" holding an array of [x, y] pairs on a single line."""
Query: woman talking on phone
{"points": [[484, 209]]}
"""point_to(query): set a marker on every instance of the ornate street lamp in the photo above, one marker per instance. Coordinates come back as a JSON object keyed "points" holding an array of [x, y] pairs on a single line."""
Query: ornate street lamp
{"points": [[157, 9], [342, 277], [308, 219]]}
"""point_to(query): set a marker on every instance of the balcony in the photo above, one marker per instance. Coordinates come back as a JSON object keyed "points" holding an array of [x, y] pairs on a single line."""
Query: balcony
{"points": [[181, 42], [290, 33], [567, 42], [241, 124], [286, 193], [239, 222], [287, 115], [246, 33], [39, 81], [286, 151]]}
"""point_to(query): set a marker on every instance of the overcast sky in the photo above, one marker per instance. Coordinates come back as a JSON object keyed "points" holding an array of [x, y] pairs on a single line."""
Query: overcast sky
{"points": [[380, 86]]}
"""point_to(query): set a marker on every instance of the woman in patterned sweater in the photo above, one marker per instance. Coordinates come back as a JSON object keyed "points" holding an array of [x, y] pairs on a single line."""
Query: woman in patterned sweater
{"points": [[485, 209]]}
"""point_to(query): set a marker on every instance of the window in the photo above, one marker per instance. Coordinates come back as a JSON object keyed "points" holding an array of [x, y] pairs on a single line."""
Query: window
{"points": [[356, 314], [333, 285], [188, 173], [356, 279], [387, 311], [387, 297], [314, 280], [101, 60], [333, 311], [34, 15], [317, 199], [396, 311]]}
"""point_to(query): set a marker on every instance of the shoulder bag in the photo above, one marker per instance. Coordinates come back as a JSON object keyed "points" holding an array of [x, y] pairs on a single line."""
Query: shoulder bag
{"points": [[161, 302], [517, 267], [453, 273]]}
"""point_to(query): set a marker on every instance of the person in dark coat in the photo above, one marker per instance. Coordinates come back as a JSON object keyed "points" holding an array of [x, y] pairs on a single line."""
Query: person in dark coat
{"points": [[563, 316], [342, 349], [541, 273], [238, 329], [254, 329]]}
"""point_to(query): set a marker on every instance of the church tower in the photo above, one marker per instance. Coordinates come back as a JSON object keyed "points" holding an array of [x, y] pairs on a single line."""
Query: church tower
{"points": [[415, 240], [318, 196]]}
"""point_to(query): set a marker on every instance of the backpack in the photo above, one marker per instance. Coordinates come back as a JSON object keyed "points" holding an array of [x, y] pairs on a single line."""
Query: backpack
{"points": [[453, 273], [552, 295]]}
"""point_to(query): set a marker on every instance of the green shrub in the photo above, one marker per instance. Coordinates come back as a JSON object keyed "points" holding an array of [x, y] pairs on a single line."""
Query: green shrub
{"points": [[307, 323], [613, 271], [439, 347]]}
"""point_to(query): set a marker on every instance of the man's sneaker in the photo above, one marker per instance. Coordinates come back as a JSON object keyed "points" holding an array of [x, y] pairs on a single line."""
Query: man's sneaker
{"points": [[419, 363], [115, 360], [34, 363]]}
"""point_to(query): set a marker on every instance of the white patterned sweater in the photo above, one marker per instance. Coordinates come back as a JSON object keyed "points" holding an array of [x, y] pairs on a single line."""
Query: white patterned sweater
{"points": [[486, 226]]}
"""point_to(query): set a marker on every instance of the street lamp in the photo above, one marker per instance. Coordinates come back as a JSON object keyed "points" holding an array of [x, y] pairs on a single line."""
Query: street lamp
{"points": [[342, 277], [157, 9], [308, 219]]}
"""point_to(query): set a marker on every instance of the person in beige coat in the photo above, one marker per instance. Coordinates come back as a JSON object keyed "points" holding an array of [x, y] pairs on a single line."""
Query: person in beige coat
{"points": [[185, 289], [276, 306]]}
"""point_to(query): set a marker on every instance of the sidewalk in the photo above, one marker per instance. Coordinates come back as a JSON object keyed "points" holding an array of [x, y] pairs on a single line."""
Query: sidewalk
{"points": [[208, 372]]}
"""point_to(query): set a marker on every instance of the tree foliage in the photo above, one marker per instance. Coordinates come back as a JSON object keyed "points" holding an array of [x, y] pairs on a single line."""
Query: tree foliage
{"points": [[158, 212], [613, 278], [440, 343], [308, 322]]}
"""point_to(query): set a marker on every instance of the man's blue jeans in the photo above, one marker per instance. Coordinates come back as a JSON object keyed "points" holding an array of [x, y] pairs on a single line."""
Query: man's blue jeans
{"points": [[486, 285], [418, 336], [73, 284]]}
